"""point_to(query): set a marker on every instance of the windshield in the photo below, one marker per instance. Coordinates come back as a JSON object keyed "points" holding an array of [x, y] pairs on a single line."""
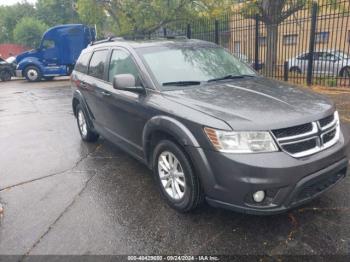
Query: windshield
{"points": [[342, 54], [171, 64]]}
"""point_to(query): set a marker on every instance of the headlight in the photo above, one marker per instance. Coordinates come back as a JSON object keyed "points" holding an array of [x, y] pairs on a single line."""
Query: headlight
{"points": [[241, 142]]}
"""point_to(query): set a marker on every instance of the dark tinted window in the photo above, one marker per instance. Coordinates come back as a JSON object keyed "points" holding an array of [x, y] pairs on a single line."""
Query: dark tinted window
{"points": [[83, 62], [97, 64], [122, 63]]}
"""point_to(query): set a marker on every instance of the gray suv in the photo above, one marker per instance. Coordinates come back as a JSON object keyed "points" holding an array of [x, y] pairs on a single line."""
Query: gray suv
{"points": [[208, 126]]}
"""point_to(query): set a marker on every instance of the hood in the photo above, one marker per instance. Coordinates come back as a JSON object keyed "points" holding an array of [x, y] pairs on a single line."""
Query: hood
{"points": [[26, 54], [255, 103]]}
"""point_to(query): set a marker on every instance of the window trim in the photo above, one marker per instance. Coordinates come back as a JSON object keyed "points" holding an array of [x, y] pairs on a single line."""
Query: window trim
{"points": [[320, 33], [133, 59], [92, 54], [284, 37]]}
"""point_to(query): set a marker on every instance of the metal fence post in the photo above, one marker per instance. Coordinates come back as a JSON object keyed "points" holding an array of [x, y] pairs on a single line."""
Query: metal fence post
{"points": [[312, 43], [285, 71], [217, 32], [256, 58], [189, 31]]}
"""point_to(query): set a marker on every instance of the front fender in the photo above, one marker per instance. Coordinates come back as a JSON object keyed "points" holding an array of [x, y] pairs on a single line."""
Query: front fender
{"points": [[171, 126], [29, 61]]}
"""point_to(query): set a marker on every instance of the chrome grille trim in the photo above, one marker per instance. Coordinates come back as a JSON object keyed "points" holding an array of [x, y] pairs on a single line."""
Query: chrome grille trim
{"points": [[317, 133]]}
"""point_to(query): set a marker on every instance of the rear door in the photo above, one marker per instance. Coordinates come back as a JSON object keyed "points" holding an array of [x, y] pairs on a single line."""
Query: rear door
{"points": [[94, 84]]}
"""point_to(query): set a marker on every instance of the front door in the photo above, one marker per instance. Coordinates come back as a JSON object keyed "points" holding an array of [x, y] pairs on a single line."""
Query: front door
{"points": [[124, 111]]}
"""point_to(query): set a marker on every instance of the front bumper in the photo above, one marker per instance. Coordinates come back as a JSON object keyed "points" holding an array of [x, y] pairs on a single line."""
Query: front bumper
{"points": [[18, 73], [229, 180]]}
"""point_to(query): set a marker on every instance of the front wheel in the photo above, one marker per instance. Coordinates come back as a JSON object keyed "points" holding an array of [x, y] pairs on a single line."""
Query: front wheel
{"points": [[5, 75], [32, 74], [84, 129], [176, 179]]}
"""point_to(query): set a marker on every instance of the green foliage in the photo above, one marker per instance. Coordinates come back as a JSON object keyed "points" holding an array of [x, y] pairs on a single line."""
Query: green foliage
{"points": [[9, 16], [56, 12], [28, 32], [91, 13]]}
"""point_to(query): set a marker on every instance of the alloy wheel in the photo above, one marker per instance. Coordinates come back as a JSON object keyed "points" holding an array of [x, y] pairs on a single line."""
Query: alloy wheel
{"points": [[171, 175]]}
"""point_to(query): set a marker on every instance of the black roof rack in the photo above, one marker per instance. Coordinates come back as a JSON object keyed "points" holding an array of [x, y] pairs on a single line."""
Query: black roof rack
{"points": [[146, 37], [109, 39], [136, 37]]}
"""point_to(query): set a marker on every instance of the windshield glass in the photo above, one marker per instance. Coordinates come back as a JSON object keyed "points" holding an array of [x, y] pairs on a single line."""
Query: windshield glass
{"points": [[171, 64], [342, 55]]}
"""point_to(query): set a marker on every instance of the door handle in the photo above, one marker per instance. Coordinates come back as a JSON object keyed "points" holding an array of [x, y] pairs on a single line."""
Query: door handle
{"points": [[104, 93]]}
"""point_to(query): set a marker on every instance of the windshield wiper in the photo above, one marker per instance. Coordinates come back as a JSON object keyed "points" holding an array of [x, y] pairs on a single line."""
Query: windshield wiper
{"points": [[182, 83], [229, 77]]}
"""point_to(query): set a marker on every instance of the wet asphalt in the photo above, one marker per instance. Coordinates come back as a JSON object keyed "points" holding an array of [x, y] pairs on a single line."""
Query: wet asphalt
{"points": [[63, 196]]}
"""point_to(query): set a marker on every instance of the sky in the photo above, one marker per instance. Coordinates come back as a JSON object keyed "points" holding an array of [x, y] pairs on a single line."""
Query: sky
{"points": [[11, 2]]}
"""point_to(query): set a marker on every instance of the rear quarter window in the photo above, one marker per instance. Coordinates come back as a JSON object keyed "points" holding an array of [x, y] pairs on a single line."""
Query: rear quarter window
{"points": [[82, 63]]}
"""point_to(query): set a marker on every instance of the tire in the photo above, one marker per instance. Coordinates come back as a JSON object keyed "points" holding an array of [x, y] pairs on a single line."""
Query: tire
{"points": [[345, 72], [32, 74], [187, 195], [5, 75], [84, 128], [295, 69]]}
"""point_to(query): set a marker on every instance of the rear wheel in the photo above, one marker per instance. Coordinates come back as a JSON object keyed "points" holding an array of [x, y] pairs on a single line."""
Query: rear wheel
{"points": [[32, 73], [345, 72], [84, 129], [176, 179]]}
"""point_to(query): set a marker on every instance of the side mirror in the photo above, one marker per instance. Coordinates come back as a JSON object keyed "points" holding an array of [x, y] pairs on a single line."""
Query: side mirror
{"points": [[126, 82]]}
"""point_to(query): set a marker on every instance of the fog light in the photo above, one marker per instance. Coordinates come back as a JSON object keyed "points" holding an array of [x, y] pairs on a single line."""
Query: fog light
{"points": [[259, 196]]}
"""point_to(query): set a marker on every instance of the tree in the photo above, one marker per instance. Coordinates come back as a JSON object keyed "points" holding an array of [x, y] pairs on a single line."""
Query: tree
{"points": [[92, 14], [29, 31], [143, 17], [56, 12], [9, 16]]}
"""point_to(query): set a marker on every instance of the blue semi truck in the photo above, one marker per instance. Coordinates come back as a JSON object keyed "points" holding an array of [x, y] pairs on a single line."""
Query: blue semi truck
{"points": [[57, 54]]}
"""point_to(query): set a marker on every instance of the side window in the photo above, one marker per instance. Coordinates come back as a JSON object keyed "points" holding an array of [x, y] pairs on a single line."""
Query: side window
{"points": [[122, 63], [83, 62], [318, 55], [97, 64], [48, 44], [330, 57]]}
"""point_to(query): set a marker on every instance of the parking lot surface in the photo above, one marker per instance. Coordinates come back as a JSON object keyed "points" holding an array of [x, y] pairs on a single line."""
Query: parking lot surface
{"points": [[63, 196]]}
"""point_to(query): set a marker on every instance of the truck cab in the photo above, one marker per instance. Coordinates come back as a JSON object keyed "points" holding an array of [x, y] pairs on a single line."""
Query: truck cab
{"points": [[57, 54]]}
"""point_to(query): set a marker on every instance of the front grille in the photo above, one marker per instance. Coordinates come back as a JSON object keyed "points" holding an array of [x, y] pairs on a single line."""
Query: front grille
{"points": [[292, 131], [329, 136], [326, 121], [312, 188], [309, 138], [301, 146]]}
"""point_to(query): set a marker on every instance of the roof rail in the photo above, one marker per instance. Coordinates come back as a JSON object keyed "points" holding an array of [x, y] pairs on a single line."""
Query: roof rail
{"points": [[146, 37], [109, 39]]}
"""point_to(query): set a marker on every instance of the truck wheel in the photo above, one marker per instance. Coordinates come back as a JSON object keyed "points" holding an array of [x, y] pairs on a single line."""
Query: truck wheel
{"points": [[5, 75], [176, 179], [32, 74]]}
